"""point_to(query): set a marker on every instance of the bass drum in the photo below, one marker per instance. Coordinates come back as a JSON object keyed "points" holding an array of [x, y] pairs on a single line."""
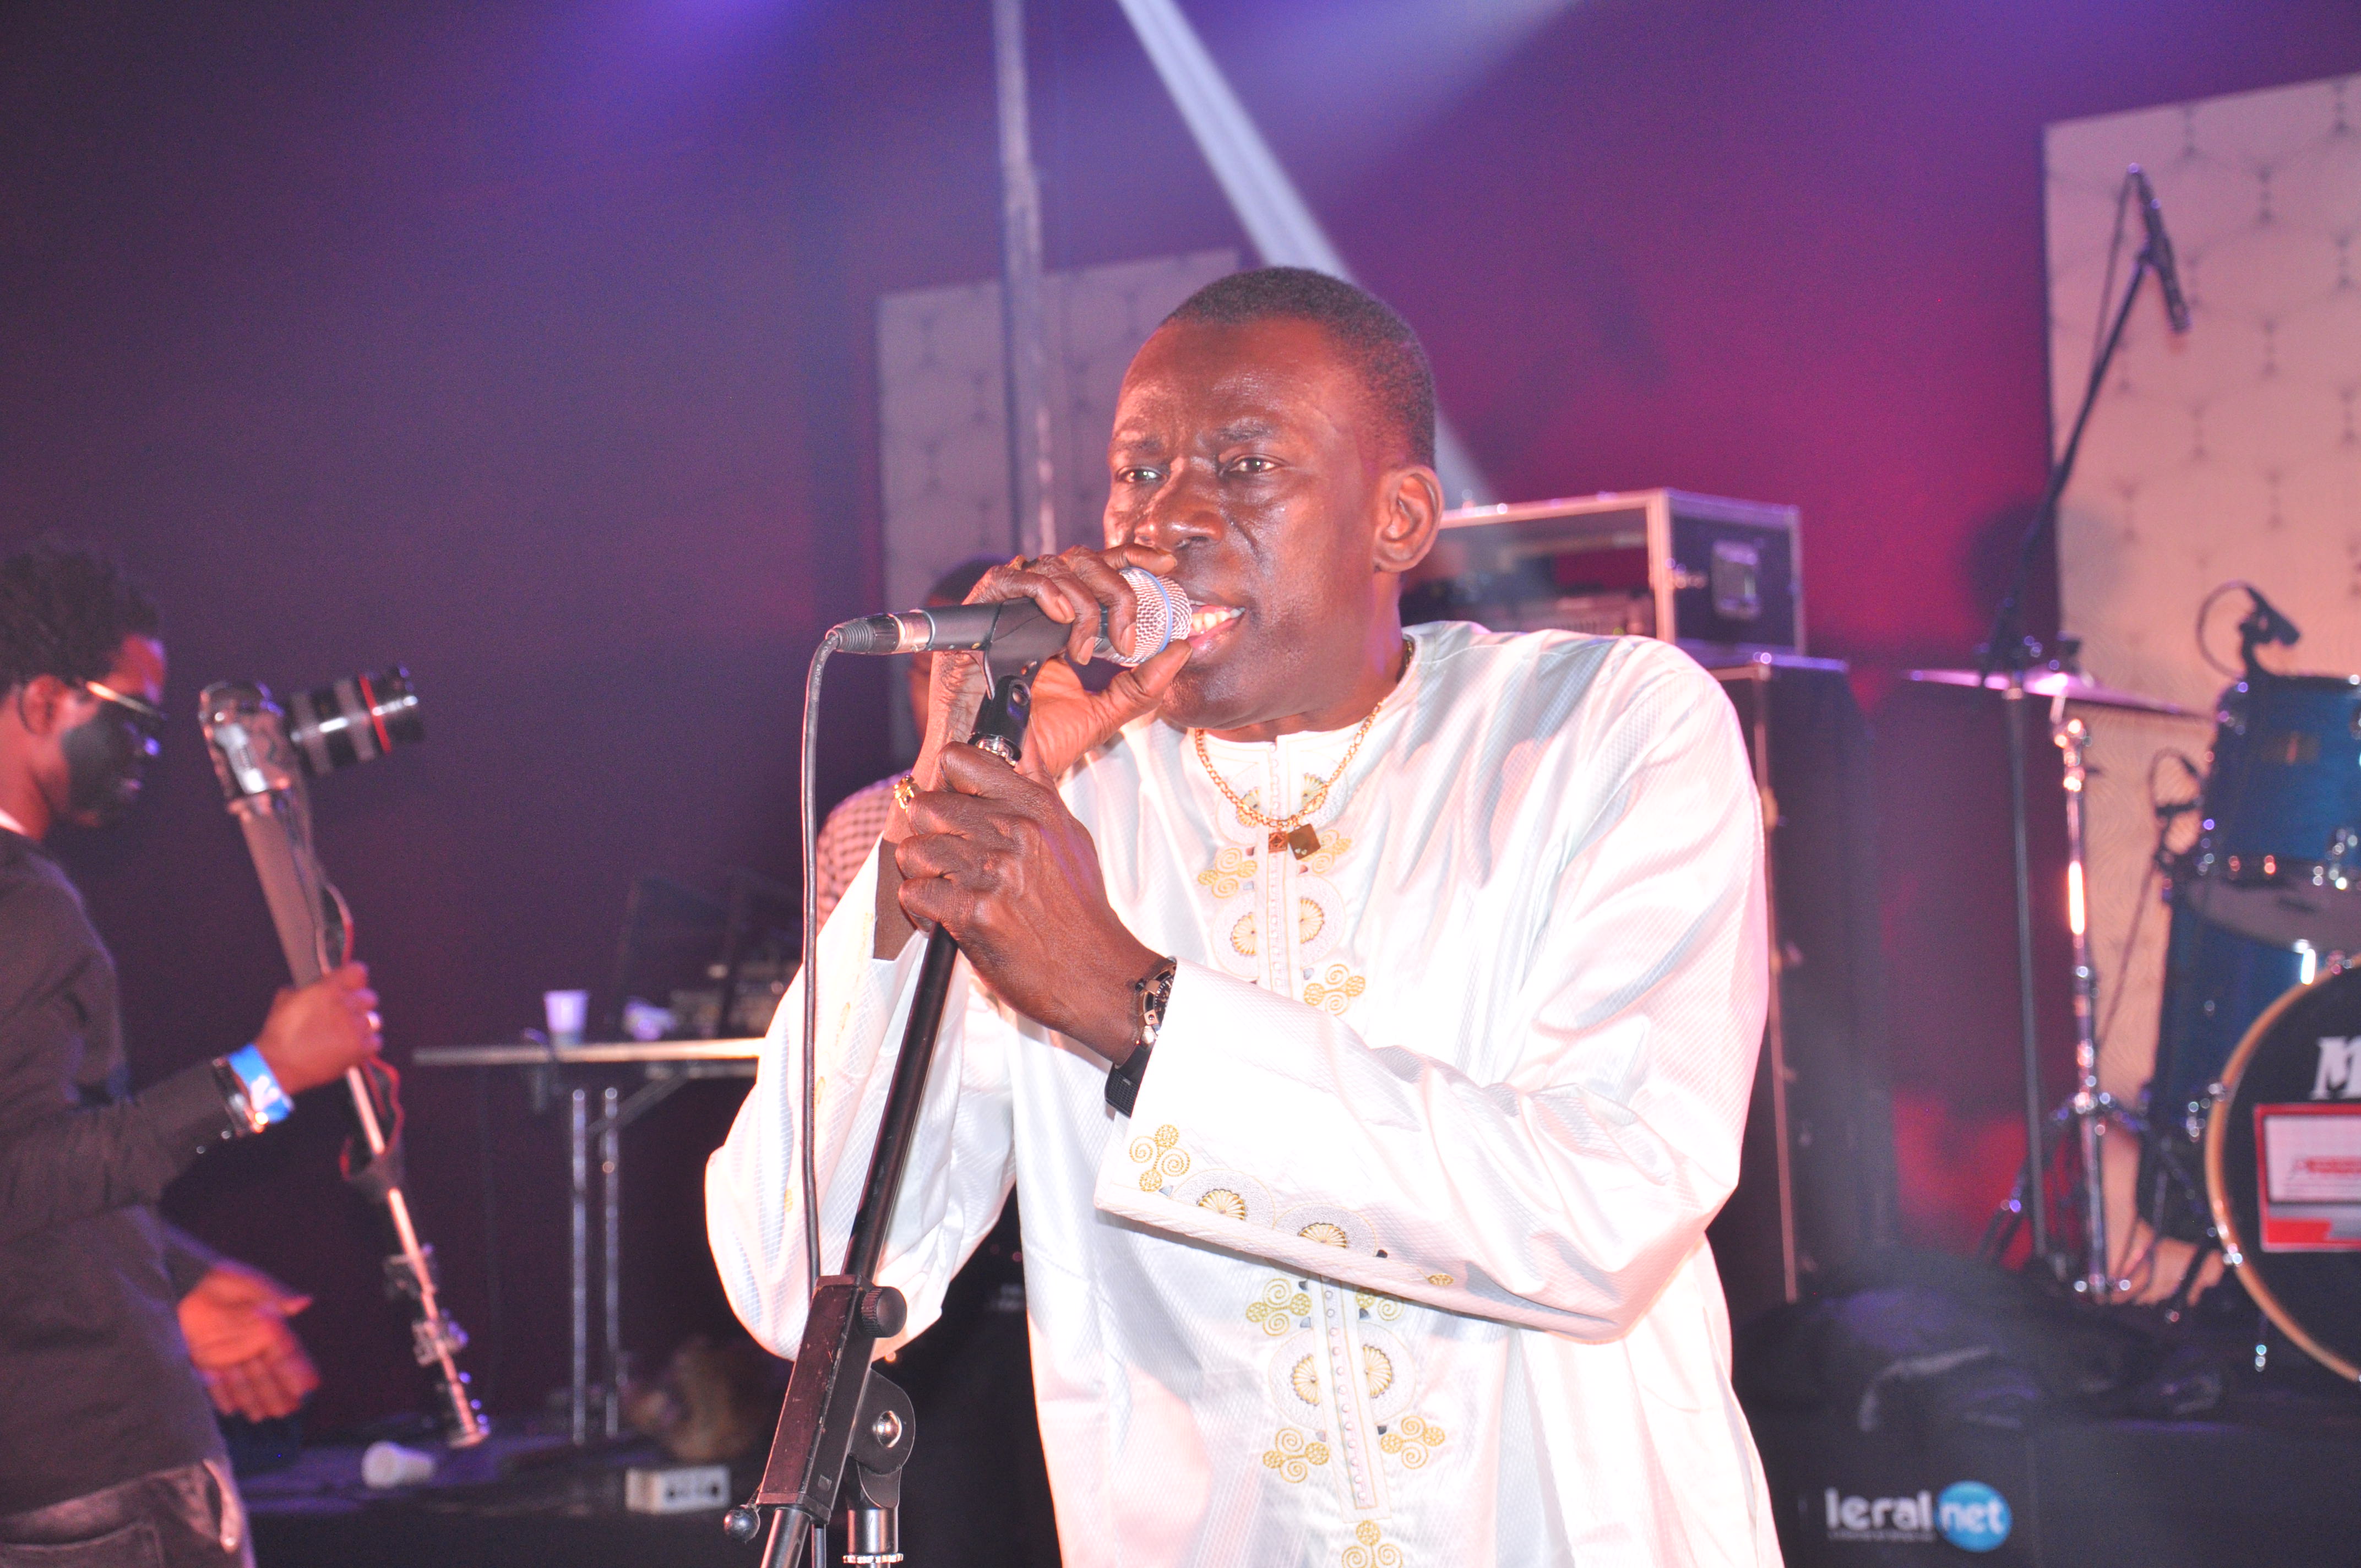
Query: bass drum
{"points": [[2283, 1168]]}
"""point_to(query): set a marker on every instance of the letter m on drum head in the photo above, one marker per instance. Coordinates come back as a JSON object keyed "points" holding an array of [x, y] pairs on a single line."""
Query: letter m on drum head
{"points": [[2340, 1069]]}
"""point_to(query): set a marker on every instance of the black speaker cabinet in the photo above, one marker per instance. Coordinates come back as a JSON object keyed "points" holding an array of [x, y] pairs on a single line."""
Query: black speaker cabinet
{"points": [[1816, 1181]]}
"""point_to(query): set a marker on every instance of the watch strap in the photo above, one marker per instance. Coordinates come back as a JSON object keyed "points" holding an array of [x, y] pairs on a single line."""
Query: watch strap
{"points": [[1150, 994]]}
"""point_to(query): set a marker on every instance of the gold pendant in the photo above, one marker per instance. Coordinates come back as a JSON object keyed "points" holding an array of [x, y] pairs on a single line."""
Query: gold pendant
{"points": [[1304, 840], [1277, 842]]}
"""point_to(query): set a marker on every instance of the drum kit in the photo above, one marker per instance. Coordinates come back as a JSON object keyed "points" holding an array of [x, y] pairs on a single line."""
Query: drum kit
{"points": [[2250, 1129]]}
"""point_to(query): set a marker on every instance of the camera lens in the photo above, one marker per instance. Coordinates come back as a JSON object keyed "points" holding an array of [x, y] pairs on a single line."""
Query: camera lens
{"points": [[355, 720]]}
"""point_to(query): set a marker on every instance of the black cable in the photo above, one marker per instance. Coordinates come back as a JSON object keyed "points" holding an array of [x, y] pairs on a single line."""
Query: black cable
{"points": [[2165, 816], [806, 1162], [2204, 609]]}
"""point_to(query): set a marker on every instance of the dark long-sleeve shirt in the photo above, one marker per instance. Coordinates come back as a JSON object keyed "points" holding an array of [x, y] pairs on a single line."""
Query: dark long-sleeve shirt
{"points": [[96, 1385]]}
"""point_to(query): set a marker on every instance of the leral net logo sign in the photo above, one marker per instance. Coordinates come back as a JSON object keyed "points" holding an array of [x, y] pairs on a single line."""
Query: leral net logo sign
{"points": [[1970, 1515]]}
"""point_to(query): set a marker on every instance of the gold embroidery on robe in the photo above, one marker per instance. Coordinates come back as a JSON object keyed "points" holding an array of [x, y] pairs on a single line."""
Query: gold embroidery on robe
{"points": [[1165, 1162], [1371, 1550], [1231, 871], [1290, 1455], [1335, 990], [1323, 860], [1224, 1200], [1276, 1308], [1411, 1439], [1309, 919]]}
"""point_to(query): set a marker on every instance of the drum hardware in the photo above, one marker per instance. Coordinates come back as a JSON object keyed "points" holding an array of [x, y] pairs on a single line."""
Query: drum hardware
{"points": [[2068, 1116], [2262, 625], [2059, 682], [2089, 1109], [2072, 738], [2009, 654]]}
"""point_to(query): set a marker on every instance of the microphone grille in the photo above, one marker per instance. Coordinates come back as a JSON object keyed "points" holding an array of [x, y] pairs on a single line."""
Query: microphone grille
{"points": [[1162, 614]]}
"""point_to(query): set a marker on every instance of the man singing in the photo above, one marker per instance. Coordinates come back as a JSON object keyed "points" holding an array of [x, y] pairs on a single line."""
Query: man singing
{"points": [[108, 1453], [1367, 1017]]}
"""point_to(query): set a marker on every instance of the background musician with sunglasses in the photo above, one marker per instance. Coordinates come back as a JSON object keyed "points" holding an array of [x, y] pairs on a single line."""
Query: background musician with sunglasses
{"points": [[114, 1328]]}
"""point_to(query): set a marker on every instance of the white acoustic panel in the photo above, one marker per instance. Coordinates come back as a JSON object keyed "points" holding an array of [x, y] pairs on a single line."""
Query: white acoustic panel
{"points": [[943, 405], [2232, 452], [943, 410], [942, 433]]}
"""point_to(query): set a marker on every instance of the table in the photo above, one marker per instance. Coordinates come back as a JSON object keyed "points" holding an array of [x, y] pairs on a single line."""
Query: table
{"points": [[666, 1065]]}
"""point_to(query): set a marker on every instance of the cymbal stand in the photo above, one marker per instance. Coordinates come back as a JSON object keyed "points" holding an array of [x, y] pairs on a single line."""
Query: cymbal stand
{"points": [[2007, 648], [2089, 1107]]}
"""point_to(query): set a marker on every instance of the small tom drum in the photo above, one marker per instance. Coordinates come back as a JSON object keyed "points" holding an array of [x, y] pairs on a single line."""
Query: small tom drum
{"points": [[2279, 856], [2283, 1166]]}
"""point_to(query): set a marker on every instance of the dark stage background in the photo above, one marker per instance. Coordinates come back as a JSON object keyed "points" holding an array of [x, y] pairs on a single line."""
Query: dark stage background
{"points": [[531, 344]]}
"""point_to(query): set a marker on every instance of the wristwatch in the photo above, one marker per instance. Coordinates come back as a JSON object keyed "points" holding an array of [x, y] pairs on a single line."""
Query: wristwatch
{"points": [[1149, 996]]}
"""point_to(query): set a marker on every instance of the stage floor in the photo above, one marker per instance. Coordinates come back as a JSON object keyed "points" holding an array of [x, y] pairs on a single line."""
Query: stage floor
{"points": [[513, 1500], [2117, 1494], [2278, 1488]]}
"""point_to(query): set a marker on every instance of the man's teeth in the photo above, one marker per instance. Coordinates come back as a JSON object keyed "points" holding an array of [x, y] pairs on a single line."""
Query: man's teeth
{"points": [[1213, 618]]}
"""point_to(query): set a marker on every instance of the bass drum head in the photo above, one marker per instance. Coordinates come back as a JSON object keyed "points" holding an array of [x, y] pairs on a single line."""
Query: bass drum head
{"points": [[2295, 1232]]}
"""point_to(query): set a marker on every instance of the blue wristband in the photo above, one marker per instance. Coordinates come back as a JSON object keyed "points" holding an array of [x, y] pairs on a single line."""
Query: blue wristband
{"points": [[263, 1095]]}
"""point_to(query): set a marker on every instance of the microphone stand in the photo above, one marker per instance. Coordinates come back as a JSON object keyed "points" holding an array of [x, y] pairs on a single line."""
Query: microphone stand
{"points": [[2007, 649], [839, 1411]]}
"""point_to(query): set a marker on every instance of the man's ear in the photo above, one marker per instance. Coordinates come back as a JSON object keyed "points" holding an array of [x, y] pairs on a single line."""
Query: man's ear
{"points": [[39, 705], [1412, 501]]}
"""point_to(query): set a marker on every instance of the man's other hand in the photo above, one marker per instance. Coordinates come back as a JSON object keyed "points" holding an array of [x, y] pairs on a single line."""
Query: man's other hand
{"points": [[252, 1364], [314, 1034], [997, 858]]}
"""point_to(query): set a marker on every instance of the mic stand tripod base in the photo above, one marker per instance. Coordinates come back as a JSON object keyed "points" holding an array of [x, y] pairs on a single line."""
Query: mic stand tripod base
{"points": [[844, 1432]]}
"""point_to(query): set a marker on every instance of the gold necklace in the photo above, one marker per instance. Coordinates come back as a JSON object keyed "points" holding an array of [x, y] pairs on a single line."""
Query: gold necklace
{"points": [[1293, 831]]}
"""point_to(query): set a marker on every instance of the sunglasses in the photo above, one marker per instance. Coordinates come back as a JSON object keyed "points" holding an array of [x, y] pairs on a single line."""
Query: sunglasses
{"points": [[144, 715]]}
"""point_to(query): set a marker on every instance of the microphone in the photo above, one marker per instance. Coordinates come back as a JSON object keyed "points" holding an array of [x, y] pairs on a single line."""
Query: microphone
{"points": [[2160, 251], [2265, 624], [1017, 628]]}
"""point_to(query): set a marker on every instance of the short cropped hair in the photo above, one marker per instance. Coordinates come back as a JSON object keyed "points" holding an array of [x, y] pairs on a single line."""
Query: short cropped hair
{"points": [[64, 611], [1382, 350]]}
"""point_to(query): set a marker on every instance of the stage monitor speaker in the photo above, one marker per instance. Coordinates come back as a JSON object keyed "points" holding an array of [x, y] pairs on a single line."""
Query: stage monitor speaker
{"points": [[1816, 1176]]}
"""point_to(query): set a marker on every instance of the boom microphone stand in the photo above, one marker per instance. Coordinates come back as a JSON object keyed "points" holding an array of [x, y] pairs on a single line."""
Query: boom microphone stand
{"points": [[839, 1411], [2008, 651]]}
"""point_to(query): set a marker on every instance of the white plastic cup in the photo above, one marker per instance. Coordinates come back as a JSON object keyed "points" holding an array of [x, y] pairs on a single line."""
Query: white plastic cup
{"points": [[388, 1465], [566, 1011]]}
